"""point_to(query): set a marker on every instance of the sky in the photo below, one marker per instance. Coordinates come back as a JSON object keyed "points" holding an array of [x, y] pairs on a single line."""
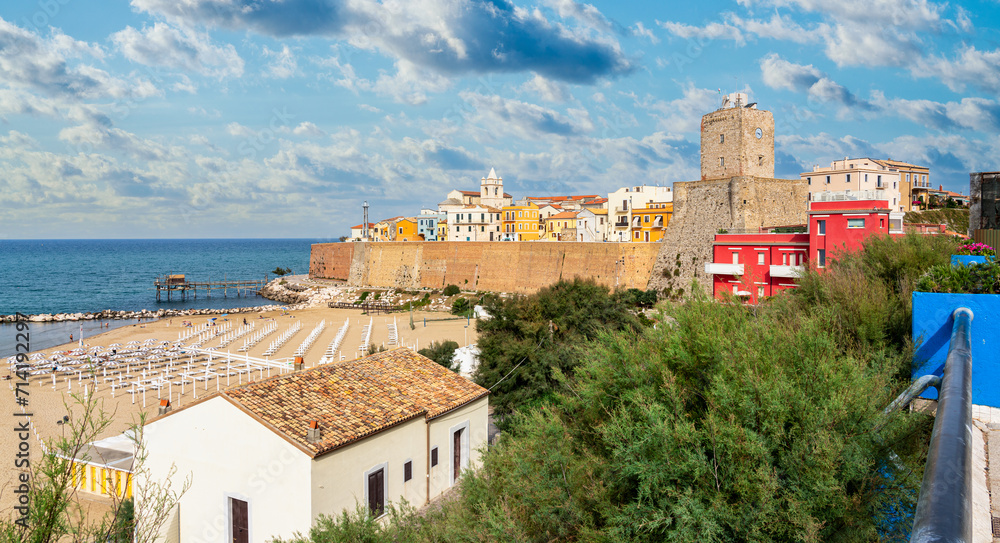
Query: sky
{"points": [[278, 118]]}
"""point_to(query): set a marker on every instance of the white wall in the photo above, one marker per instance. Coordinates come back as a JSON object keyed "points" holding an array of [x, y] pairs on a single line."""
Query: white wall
{"points": [[477, 416], [227, 454], [338, 478]]}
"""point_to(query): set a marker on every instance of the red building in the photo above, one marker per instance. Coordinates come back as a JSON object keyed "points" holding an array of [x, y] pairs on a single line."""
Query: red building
{"points": [[757, 265]]}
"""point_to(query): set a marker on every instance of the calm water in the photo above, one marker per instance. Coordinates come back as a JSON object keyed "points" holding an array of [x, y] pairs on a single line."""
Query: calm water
{"points": [[70, 276]]}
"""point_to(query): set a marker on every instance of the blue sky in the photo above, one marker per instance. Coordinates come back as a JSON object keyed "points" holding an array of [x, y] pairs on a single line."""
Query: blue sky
{"points": [[277, 118]]}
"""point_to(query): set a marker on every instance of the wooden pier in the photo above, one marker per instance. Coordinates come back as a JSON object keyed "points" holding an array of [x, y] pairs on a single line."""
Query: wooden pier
{"points": [[371, 308], [178, 285]]}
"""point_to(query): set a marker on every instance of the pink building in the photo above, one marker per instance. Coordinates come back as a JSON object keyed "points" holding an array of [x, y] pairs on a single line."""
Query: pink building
{"points": [[754, 266]]}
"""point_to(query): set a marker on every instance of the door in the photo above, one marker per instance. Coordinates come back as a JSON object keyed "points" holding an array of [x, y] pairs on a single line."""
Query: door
{"points": [[376, 493], [457, 460], [241, 521]]}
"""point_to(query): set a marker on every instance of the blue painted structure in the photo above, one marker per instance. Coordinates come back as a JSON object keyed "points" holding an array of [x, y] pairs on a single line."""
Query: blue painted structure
{"points": [[427, 225], [965, 260], [932, 325]]}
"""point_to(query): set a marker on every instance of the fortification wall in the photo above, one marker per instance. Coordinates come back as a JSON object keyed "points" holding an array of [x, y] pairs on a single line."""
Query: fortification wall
{"points": [[331, 260], [702, 208], [520, 267]]}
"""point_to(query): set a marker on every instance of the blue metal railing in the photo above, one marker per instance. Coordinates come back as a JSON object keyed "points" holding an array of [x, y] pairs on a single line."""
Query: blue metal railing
{"points": [[944, 509]]}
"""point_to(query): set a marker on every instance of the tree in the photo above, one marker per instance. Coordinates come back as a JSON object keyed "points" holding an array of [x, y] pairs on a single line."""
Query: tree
{"points": [[54, 514], [279, 271], [443, 353], [461, 306], [451, 290], [532, 341]]}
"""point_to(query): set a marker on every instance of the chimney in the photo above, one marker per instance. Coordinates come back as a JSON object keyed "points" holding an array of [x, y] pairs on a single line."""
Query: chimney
{"points": [[313, 433], [164, 407], [299, 363]]}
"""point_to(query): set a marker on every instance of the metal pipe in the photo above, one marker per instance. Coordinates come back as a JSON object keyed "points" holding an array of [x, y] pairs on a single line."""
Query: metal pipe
{"points": [[915, 389], [944, 509]]}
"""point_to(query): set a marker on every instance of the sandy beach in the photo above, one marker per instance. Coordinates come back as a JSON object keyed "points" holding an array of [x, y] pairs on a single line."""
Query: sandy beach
{"points": [[50, 405]]}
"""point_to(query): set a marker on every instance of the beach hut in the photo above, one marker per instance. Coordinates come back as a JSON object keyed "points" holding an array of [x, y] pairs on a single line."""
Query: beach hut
{"points": [[105, 467]]}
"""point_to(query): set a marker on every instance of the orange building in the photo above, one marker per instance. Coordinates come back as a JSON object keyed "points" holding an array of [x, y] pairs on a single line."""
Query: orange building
{"points": [[648, 223], [520, 223], [406, 230]]}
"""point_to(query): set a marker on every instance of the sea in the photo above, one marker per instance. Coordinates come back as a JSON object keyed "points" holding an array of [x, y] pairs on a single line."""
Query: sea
{"points": [[78, 276]]}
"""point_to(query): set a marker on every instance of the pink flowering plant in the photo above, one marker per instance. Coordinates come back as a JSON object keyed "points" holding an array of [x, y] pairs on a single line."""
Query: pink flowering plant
{"points": [[977, 249]]}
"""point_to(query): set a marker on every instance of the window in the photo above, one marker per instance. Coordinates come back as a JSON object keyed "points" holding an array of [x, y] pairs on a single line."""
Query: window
{"points": [[722, 138], [881, 223], [848, 178], [784, 259], [434, 457], [821, 258], [809, 180], [722, 162], [828, 180], [855, 223], [519, 214], [736, 290], [907, 178], [821, 228], [878, 181], [866, 178], [482, 217], [760, 160], [400, 229], [375, 490], [239, 518], [625, 205], [646, 219], [923, 178], [407, 470], [760, 292], [760, 259], [736, 257]]}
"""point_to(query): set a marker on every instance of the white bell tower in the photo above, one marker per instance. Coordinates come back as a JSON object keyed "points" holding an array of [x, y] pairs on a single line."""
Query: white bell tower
{"points": [[491, 190]]}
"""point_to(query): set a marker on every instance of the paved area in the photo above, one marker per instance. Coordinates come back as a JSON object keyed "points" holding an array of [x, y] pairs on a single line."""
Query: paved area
{"points": [[986, 484]]}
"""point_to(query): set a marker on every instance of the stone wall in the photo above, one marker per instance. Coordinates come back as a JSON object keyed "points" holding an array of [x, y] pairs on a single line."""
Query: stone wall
{"points": [[701, 208], [331, 260], [521, 267]]}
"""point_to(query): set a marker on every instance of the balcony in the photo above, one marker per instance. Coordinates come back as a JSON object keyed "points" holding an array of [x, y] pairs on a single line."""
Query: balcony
{"points": [[621, 209], [786, 271], [622, 224], [715, 268]]}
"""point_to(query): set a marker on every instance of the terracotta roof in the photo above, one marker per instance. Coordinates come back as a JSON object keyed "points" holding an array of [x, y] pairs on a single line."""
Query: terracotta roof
{"points": [[564, 215], [370, 225], [470, 192], [354, 399], [596, 201]]}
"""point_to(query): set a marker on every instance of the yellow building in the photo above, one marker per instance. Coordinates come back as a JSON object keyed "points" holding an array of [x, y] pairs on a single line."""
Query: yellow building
{"points": [[442, 228], [520, 223], [649, 222], [561, 226], [406, 230]]}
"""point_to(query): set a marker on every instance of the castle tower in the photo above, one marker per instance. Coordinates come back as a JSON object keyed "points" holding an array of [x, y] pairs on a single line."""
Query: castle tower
{"points": [[737, 140], [491, 190]]}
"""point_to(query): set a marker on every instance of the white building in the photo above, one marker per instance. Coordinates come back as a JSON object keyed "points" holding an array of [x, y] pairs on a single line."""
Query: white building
{"points": [[621, 203], [474, 223], [592, 224], [266, 458], [856, 175]]}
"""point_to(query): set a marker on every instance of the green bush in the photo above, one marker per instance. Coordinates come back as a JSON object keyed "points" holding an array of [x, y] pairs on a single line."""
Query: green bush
{"points": [[970, 279], [545, 333], [443, 353], [364, 296], [451, 290], [461, 306]]}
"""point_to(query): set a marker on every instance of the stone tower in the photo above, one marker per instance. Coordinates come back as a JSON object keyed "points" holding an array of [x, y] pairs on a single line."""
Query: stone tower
{"points": [[737, 140], [491, 190]]}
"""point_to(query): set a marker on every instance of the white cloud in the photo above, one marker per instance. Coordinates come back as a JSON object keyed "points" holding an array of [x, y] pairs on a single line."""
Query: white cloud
{"points": [[550, 91], [682, 115], [778, 73], [970, 66], [237, 130], [641, 31], [370, 108], [283, 64], [180, 49], [30, 62], [979, 114], [307, 128], [711, 31], [494, 116]]}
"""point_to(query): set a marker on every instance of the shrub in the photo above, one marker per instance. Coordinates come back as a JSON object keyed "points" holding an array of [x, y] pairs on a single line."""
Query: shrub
{"points": [[970, 279], [364, 296], [443, 353], [451, 290], [461, 306]]}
